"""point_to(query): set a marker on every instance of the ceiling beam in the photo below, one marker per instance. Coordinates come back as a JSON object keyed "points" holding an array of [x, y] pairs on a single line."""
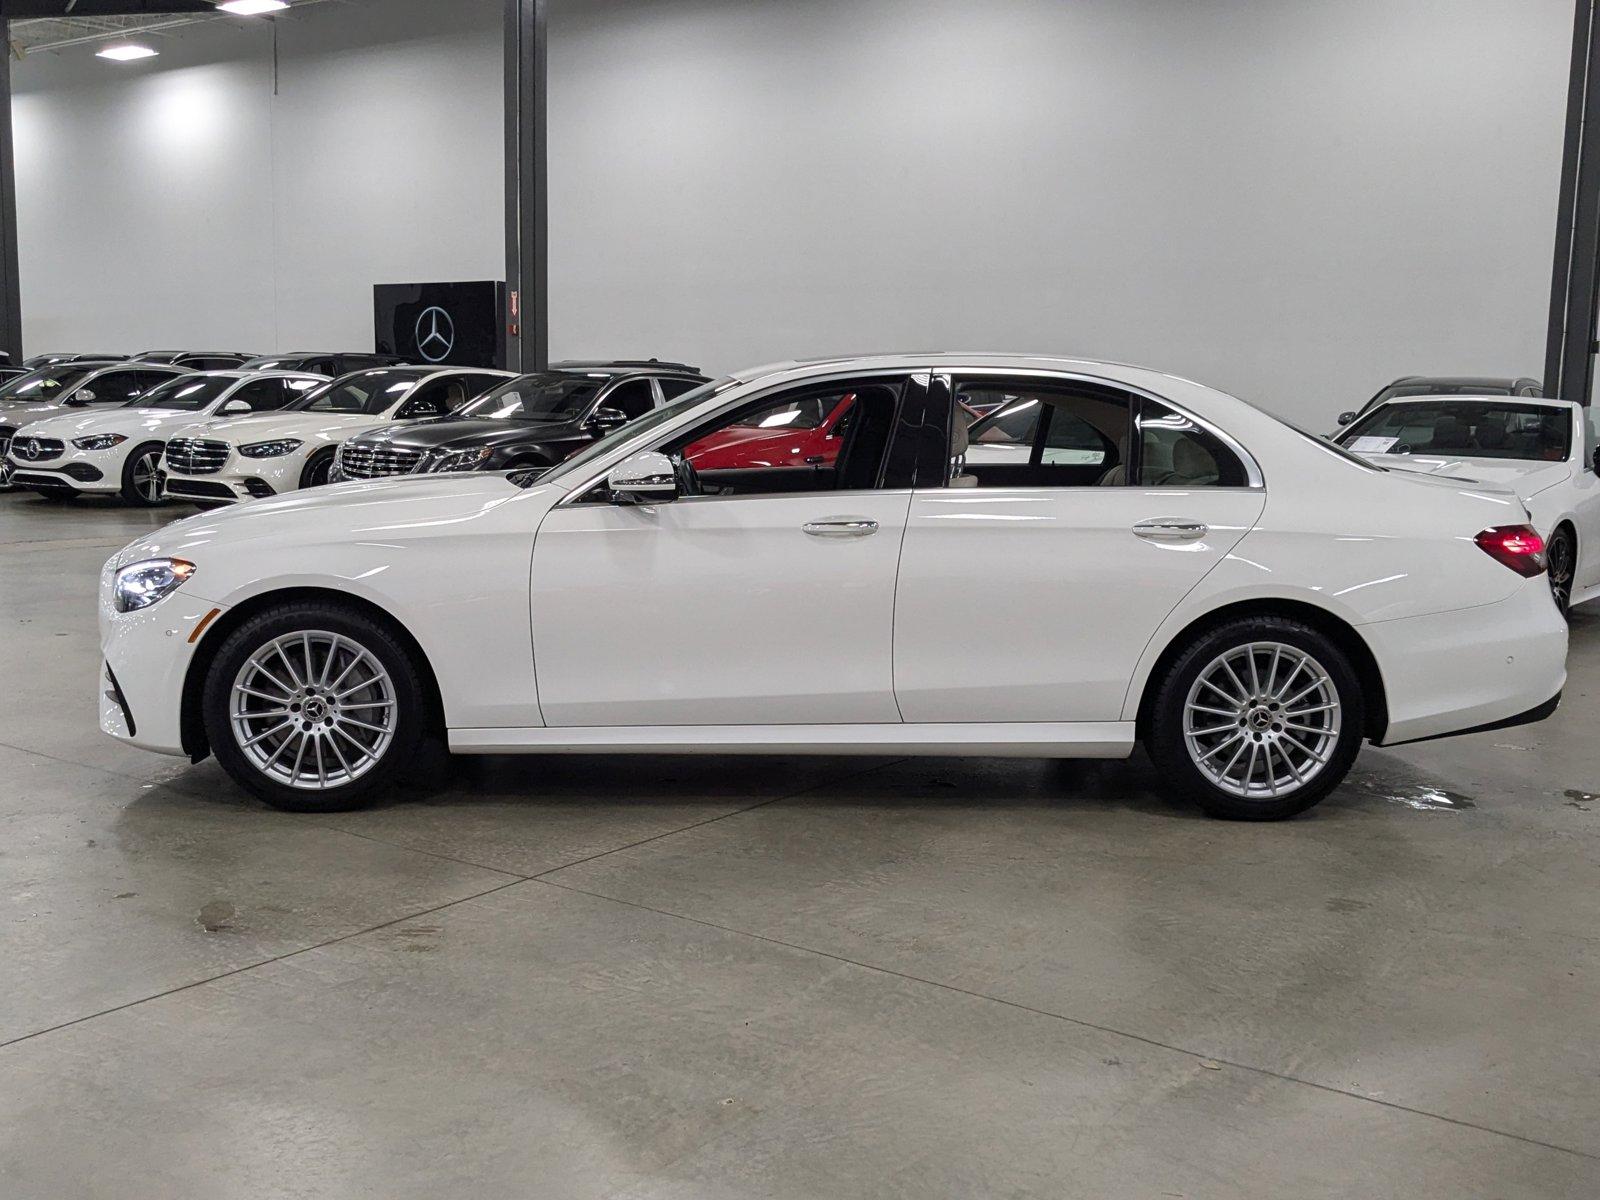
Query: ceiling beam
{"points": [[29, 10]]}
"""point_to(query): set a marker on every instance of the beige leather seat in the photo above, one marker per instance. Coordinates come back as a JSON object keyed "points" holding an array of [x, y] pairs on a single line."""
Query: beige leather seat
{"points": [[959, 441]]}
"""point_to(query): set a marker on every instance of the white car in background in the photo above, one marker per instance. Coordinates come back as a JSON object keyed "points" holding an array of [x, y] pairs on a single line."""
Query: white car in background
{"points": [[231, 461], [67, 386], [117, 451], [1546, 450], [1249, 601]]}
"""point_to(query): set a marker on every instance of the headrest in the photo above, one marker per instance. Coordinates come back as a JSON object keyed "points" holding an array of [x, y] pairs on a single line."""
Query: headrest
{"points": [[959, 438]]}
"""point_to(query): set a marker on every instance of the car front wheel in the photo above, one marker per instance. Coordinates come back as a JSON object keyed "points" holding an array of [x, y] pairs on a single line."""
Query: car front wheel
{"points": [[1257, 719], [141, 479], [314, 707]]}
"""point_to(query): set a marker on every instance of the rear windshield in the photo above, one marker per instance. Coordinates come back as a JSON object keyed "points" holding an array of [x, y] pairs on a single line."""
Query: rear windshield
{"points": [[1465, 428]]}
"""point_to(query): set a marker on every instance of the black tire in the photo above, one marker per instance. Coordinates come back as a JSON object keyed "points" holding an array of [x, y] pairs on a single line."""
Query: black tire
{"points": [[139, 476], [408, 729], [317, 469], [1561, 555], [1169, 746]]}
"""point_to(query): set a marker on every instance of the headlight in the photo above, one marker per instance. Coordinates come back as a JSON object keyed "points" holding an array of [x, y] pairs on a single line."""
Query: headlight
{"points": [[99, 441], [458, 460], [141, 584], [273, 449]]}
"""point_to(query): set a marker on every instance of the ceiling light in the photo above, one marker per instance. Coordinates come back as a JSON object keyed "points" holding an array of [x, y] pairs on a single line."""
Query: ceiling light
{"points": [[252, 8], [126, 52]]}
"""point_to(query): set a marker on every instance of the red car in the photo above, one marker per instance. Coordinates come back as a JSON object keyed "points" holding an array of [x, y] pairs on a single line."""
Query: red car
{"points": [[807, 433]]}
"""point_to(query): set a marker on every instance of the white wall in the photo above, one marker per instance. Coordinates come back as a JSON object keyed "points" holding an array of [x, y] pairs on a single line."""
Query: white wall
{"points": [[1294, 201], [179, 202]]}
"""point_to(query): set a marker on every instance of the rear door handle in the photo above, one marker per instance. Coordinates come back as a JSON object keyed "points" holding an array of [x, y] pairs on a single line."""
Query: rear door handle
{"points": [[841, 527], [1171, 529]]}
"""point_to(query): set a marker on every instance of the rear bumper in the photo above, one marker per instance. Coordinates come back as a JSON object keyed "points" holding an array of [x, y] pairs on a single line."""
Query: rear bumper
{"points": [[1461, 672]]}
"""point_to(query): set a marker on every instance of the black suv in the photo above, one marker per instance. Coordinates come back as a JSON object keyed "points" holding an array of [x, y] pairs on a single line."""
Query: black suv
{"points": [[534, 420], [329, 363], [197, 360], [1446, 385]]}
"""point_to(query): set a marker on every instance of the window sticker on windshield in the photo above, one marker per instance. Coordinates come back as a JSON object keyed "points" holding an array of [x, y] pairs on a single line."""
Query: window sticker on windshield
{"points": [[1373, 445]]}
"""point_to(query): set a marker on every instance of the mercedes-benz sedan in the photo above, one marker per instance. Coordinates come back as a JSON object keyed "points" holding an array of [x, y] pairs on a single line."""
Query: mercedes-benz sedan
{"points": [[1248, 601]]}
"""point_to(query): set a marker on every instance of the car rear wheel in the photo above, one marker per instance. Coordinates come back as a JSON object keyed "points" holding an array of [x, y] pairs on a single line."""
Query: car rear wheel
{"points": [[1257, 719], [314, 707], [141, 478], [1560, 558]]}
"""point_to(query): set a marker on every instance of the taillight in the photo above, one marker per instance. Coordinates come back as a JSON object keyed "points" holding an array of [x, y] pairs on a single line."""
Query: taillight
{"points": [[1517, 546]]}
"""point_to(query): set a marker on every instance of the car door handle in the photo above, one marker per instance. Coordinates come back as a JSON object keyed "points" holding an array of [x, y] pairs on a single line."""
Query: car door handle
{"points": [[841, 527], [1171, 529]]}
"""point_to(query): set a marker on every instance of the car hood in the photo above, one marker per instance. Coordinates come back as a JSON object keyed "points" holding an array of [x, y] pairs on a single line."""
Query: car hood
{"points": [[266, 426], [130, 422], [377, 509], [451, 432], [1525, 477], [12, 411]]}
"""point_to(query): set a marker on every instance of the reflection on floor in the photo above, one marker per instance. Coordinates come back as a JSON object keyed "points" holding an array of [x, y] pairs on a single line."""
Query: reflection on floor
{"points": [[792, 978]]}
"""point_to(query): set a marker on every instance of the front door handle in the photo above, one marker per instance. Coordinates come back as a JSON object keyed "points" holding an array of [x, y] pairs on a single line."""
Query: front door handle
{"points": [[1171, 529], [841, 527]]}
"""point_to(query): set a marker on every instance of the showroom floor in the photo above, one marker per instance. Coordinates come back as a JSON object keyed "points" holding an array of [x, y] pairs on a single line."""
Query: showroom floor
{"points": [[722, 977]]}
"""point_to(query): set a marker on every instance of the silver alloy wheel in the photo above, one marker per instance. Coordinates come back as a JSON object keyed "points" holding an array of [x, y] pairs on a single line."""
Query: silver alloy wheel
{"points": [[1559, 567], [146, 482], [313, 710], [1261, 720]]}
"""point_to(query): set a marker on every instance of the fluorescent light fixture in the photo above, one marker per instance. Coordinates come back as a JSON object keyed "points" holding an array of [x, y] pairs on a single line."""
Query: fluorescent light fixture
{"points": [[252, 8], [126, 52]]}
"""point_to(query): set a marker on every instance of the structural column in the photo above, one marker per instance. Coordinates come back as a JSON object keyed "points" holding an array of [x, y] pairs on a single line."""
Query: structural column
{"points": [[527, 237], [10, 292], [1575, 287]]}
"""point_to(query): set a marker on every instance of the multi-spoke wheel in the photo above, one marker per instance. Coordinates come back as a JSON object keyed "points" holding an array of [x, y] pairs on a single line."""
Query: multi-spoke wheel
{"points": [[141, 477], [1259, 718], [313, 707], [1560, 558]]}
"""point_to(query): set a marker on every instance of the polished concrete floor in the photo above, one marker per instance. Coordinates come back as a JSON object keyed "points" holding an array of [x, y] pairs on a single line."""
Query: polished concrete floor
{"points": [[709, 978]]}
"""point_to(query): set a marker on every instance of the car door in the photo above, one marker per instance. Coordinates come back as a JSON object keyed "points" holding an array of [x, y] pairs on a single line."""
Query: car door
{"points": [[1030, 584], [767, 598]]}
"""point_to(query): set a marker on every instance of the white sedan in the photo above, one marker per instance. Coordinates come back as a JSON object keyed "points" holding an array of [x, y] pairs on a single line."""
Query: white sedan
{"points": [[228, 462], [1548, 451], [1250, 602], [116, 451]]}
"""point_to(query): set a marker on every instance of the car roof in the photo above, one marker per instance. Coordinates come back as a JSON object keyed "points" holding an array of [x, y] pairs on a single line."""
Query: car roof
{"points": [[1463, 380], [1472, 398]]}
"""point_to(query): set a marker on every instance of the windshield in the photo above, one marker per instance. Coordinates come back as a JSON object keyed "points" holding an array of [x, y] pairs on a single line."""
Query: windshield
{"points": [[1465, 428], [186, 393], [45, 384], [552, 396], [369, 393], [651, 420]]}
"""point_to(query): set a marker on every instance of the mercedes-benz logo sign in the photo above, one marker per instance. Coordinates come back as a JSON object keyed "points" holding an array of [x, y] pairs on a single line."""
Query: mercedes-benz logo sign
{"points": [[436, 334], [28, 448]]}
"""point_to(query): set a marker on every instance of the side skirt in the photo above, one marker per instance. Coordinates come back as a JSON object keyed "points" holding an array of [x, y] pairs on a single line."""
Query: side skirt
{"points": [[1075, 739]]}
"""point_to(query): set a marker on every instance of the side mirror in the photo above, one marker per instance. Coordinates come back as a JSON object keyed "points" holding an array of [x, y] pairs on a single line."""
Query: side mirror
{"points": [[607, 419], [1346, 417], [234, 408], [645, 478], [81, 397]]}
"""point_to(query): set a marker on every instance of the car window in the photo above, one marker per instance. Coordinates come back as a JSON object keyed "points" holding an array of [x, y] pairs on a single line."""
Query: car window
{"points": [[1041, 435], [117, 387], [541, 396], [1176, 452], [45, 384], [1465, 428], [833, 437], [1591, 438], [264, 395], [184, 393], [633, 397], [671, 389], [436, 398]]}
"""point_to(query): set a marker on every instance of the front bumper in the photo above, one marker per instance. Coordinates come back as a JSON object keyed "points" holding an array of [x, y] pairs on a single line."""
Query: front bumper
{"points": [[93, 471], [240, 480], [145, 660], [1460, 672]]}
